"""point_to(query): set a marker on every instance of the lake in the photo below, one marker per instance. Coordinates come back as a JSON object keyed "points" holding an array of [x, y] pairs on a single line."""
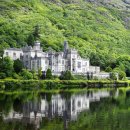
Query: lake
{"points": [[84, 110]]}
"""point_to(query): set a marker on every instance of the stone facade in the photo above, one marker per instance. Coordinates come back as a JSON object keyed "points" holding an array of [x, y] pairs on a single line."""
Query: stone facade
{"points": [[69, 59]]}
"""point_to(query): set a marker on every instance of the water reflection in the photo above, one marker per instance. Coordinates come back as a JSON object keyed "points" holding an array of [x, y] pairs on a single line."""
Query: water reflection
{"points": [[65, 106]]}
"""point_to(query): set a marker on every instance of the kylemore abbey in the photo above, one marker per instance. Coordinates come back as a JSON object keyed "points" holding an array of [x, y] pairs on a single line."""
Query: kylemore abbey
{"points": [[34, 58]]}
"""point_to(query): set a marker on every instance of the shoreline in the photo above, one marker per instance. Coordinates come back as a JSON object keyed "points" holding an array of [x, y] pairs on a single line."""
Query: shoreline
{"points": [[27, 85]]}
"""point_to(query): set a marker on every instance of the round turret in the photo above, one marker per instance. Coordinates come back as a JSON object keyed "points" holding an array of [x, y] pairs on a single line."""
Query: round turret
{"points": [[37, 43]]}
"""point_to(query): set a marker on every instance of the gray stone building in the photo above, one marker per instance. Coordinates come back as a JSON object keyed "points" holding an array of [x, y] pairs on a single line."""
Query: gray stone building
{"points": [[69, 59]]}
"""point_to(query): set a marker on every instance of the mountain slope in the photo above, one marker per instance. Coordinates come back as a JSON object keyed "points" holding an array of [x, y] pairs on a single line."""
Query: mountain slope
{"points": [[99, 29]]}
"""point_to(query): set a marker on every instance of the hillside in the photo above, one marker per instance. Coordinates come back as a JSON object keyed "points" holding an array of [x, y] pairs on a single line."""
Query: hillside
{"points": [[99, 29]]}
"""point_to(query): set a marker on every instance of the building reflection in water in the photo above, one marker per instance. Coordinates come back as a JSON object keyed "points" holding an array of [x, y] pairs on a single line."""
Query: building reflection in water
{"points": [[68, 109]]}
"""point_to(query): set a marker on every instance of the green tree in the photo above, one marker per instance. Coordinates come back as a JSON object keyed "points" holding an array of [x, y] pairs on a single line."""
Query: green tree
{"points": [[36, 32], [2, 75], [39, 73], [121, 74], [6, 66], [2, 47], [66, 75], [35, 76], [1, 52], [108, 69], [30, 40], [26, 74], [18, 66], [113, 76], [48, 74]]}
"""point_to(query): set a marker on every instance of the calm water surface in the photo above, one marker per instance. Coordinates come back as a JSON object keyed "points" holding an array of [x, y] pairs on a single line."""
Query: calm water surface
{"points": [[88, 110]]}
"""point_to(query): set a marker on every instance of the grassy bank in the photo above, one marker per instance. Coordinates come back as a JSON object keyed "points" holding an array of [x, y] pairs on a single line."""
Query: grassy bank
{"points": [[12, 85]]}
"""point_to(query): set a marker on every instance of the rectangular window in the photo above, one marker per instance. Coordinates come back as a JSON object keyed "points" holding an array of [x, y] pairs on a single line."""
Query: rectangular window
{"points": [[50, 62], [26, 63], [46, 62], [7, 53], [63, 62], [83, 69], [33, 64], [79, 64], [14, 54], [79, 104], [38, 63]]}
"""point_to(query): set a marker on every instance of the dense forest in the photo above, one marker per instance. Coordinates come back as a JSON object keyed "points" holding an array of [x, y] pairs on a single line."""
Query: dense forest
{"points": [[99, 29]]}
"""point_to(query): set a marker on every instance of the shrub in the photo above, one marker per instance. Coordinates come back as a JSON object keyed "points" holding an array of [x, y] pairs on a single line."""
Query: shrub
{"points": [[2, 75], [18, 66], [26, 74], [35, 76], [48, 74], [66, 75], [39, 73], [77, 77], [108, 69], [121, 73], [6, 66], [16, 76], [113, 76]]}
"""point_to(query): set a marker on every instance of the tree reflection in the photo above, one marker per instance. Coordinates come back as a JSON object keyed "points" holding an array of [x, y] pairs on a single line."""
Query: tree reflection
{"points": [[91, 110]]}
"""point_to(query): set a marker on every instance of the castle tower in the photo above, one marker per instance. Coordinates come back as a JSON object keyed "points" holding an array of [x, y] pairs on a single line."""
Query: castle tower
{"points": [[37, 45], [66, 47]]}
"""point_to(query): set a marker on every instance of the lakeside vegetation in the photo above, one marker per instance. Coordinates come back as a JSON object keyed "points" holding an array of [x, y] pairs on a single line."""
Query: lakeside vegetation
{"points": [[15, 77], [27, 85], [98, 31], [10, 69]]}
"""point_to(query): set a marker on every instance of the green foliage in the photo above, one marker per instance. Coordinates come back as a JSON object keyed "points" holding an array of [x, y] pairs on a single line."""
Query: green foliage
{"points": [[122, 74], [48, 74], [26, 74], [6, 67], [113, 76], [36, 32], [99, 31], [16, 76], [18, 66], [30, 40], [123, 63], [108, 69], [66, 75], [2, 75], [80, 77], [35, 76], [39, 73]]}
